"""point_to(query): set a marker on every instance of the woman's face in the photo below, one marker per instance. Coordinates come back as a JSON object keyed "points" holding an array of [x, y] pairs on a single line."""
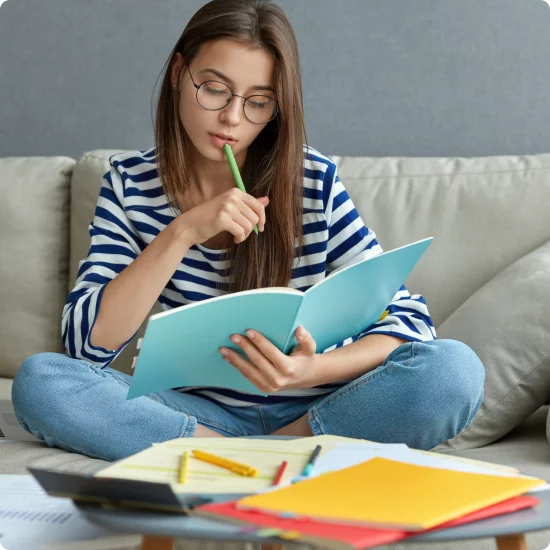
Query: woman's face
{"points": [[243, 70]]}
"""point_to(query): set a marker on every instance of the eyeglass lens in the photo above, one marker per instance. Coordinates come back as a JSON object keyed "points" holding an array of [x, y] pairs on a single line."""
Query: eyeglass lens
{"points": [[215, 95]]}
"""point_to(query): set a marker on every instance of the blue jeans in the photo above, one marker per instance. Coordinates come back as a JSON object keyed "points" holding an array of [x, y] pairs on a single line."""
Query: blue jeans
{"points": [[423, 394]]}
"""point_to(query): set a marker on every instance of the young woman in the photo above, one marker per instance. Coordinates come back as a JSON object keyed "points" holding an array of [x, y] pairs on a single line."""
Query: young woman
{"points": [[170, 225]]}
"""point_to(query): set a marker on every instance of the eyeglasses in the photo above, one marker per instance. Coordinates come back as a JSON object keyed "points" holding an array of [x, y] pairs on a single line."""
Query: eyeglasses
{"points": [[213, 95]]}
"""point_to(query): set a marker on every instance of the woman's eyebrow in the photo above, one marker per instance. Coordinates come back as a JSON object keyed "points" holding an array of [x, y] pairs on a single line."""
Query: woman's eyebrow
{"points": [[221, 75]]}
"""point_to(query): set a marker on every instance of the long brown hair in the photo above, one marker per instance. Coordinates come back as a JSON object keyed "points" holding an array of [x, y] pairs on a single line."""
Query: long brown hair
{"points": [[274, 162]]}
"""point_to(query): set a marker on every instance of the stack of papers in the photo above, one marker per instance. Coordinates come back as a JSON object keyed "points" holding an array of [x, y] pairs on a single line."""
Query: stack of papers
{"points": [[160, 463], [339, 536], [390, 494], [364, 494]]}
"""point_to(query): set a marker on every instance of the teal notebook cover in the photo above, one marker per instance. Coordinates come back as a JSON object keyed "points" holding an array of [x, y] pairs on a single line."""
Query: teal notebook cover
{"points": [[181, 346]]}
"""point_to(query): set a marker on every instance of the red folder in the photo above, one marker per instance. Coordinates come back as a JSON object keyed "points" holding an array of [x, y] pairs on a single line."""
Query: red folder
{"points": [[345, 536]]}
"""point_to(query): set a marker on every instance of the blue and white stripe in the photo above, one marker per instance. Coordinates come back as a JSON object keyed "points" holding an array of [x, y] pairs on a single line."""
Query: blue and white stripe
{"points": [[132, 209]]}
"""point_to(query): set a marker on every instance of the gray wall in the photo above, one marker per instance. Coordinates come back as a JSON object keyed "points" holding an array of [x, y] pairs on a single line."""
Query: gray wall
{"points": [[380, 77]]}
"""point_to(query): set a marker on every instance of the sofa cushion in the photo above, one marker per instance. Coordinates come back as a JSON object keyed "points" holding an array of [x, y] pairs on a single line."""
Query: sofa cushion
{"points": [[16, 456], [483, 212], [507, 324], [524, 448], [34, 235]]}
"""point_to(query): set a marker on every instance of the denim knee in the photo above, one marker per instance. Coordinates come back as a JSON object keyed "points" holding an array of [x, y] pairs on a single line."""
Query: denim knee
{"points": [[29, 385], [457, 389], [423, 394], [464, 369]]}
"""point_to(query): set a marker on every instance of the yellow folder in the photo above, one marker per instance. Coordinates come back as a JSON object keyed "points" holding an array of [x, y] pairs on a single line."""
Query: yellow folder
{"points": [[389, 494]]}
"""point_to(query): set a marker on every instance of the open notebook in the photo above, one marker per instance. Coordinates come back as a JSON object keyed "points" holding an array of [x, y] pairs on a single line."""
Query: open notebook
{"points": [[181, 346]]}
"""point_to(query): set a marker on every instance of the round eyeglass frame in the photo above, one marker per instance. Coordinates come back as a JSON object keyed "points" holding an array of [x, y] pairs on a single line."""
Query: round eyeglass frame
{"points": [[198, 86]]}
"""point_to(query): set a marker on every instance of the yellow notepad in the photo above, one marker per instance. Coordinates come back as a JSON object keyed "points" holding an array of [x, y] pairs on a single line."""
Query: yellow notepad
{"points": [[389, 494], [160, 463]]}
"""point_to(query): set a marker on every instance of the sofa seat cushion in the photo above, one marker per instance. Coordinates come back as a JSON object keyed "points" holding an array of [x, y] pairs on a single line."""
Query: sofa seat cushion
{"points": [[525, 447], [15, 456], [507, 324]]}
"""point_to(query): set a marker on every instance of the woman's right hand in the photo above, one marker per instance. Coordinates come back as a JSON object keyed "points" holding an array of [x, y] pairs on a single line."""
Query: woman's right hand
{"points": [[233, 211]]}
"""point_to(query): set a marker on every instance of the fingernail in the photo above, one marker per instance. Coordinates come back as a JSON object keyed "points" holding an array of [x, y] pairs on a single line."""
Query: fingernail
{"points": [[223, 352], [250, 334], [235, 339]]}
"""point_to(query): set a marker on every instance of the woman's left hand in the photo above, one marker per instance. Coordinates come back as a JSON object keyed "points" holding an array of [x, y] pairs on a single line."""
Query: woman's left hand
{"points": [[268, 368]]}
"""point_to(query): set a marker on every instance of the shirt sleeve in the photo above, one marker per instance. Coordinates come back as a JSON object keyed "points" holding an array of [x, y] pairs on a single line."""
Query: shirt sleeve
{"points": [[350, 241], [114, 244]]}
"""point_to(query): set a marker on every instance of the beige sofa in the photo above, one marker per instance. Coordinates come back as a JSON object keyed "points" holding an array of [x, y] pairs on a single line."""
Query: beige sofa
{"points": [[486, 279]]}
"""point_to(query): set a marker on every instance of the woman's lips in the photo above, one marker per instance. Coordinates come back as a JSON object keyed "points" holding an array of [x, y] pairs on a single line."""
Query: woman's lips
{"points": [[220, 142]]}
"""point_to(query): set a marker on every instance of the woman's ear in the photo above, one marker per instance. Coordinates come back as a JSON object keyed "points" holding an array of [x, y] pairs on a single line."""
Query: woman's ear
{"points": [[176, 71]]}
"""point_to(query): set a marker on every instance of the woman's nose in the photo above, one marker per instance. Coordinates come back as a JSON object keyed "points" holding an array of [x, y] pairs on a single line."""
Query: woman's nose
{"points": [[234, 110]]}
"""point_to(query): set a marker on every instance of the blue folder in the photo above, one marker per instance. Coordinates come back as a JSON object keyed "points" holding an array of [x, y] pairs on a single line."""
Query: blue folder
{"points": [[181, 346]]}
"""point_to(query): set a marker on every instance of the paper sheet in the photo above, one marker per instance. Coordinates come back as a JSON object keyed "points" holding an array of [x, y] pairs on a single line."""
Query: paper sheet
{"points": [[346, 455], [454, 458], [30, 518]]}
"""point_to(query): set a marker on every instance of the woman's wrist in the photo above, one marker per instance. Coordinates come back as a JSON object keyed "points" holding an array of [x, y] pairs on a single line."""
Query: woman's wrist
{"points": [[181, 233], [349, 362], [320, 373]]}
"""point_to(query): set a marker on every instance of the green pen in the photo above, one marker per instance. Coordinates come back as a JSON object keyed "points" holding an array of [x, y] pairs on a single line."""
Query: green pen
{"points": [[235, 171]]}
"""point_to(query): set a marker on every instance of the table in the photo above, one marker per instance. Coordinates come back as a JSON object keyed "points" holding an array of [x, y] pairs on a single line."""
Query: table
{"points": [[159, 530]]}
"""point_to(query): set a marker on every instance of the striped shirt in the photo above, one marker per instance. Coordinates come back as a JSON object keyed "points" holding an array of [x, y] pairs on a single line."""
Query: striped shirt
{"points": [[132, 209]]}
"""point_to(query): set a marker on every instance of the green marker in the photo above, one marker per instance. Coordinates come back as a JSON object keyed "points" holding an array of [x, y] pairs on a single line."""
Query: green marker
{"points": [[235, 171]]}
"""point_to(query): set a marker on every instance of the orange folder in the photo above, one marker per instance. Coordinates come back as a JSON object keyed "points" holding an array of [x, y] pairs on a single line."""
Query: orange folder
{"points": [[389, 494]]}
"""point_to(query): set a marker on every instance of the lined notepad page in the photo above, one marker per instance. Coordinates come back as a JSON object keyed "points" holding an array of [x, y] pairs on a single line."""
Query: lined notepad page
{"points": [[160, 463]]}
